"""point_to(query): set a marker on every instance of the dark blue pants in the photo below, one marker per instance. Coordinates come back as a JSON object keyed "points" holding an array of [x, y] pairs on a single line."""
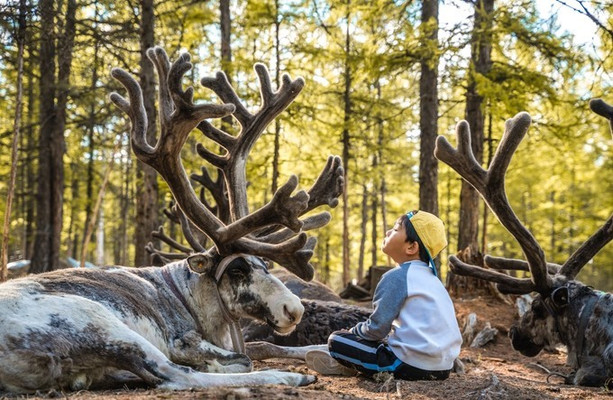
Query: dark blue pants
{"points": [[369, 358]]}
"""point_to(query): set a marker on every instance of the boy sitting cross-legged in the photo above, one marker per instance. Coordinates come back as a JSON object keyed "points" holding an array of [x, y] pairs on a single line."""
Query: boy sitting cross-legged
{"points": [[412, 332]]}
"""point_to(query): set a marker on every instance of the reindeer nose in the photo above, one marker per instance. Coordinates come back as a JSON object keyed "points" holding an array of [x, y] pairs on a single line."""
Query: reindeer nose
{"points": [[293, 315]]}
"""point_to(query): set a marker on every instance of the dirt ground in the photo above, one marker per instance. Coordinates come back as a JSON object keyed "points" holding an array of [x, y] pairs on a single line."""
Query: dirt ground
{"points": [[492, 372]]}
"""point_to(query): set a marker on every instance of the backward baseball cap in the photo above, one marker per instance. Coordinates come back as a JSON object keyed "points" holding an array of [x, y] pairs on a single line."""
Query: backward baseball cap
{"points": [[431, 232]]}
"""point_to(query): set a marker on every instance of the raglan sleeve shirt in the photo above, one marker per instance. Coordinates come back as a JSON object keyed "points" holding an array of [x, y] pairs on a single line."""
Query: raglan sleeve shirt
{"points": [[388, 299], [414, 312]]}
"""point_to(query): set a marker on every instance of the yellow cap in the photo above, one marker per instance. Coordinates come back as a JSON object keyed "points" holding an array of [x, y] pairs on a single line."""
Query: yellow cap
{"points": [[431, 231]]}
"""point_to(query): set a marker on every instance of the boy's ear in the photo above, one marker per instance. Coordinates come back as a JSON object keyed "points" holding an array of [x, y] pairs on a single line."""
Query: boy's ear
{"points": [[411, 248]]}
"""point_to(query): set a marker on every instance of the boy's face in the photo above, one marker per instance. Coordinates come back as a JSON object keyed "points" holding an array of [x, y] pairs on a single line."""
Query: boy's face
{"points": [[395, 244]]}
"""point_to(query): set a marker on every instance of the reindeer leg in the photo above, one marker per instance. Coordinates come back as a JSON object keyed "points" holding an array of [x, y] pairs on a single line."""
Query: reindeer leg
{"points": [[132, 352], [193, 351], [17, 374], [265, 350], [591, 373]]}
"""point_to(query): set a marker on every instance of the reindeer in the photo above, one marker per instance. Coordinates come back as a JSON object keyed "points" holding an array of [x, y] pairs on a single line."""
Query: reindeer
{"points": [[564, 310], [175, 327]]}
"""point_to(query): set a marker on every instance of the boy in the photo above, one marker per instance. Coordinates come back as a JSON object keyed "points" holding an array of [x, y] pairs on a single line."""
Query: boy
{"points": [[412, 331]]}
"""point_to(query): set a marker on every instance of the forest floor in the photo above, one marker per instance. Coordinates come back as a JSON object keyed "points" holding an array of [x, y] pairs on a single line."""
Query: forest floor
{"points": [[492, 372]]}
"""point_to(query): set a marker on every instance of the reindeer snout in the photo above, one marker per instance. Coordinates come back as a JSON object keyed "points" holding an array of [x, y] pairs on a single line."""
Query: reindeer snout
{"points": [[289, 315], [293, 313], [523, 343]]}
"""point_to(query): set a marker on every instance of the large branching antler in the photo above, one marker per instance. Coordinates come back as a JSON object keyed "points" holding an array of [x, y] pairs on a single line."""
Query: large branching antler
{"points": [[490, 184], [252, 125], [513, 264], [178, 117], [217, 189], [326, 190]]}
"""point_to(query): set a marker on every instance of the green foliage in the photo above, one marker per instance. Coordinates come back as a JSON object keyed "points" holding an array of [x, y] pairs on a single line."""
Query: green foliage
{"points": [[559, 181]]}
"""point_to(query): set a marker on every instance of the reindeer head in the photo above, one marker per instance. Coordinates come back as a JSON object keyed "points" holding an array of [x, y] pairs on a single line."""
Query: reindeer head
{"points": [[546, 323], [539, 326], [249, 291], [241, 239]]}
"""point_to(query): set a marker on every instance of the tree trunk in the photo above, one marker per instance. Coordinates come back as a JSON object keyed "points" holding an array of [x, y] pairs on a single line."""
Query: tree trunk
{"points": [[45, 258], [147, 192], [89, 229], [225, 25], [72, 239], [378, 177], [552, 222], [27, 144], [428, 106], [275, 158], [326, 272], [100, 238], [126, 199], [117, 245], [383, 188], [375, 241], [480, 64], [21, 30], [90, 127], [119, 235], [468, 227], [384, 213], [570, 239], [28, 245], [490, 154], [346, 153], [65, 51], [448, 218], [89, 182], [363, 232], [226, 36]]}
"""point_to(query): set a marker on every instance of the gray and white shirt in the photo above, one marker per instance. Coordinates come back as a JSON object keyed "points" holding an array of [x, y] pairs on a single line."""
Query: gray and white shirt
{"points": [[413, 310]]}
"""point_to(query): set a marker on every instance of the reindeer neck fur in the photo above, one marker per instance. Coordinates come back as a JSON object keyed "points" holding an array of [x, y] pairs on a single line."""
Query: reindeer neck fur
{"points": [[198, 291], [569, 329]]}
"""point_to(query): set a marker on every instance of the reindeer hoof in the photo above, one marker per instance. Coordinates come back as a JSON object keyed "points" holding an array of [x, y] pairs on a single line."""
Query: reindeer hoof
{"points": [[307, 380]]}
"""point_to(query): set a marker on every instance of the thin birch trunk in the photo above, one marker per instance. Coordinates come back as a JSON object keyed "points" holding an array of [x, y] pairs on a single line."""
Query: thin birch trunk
{"points": [[90, 227]]}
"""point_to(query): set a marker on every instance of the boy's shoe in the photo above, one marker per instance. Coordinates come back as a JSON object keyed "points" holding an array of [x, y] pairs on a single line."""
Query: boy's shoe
{"points": [[322, 362]]}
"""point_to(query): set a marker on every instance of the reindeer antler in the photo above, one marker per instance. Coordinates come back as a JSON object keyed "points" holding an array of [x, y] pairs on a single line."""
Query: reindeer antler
{"points": [[490, 184], [179, 116]]}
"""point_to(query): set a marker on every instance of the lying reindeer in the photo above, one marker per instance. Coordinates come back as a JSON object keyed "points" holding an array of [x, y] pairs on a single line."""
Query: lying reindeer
{"points": [[565, 310], [71, 328], [175, 327]]}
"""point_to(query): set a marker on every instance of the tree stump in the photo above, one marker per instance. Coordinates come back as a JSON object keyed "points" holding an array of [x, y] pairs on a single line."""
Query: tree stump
{"points": [[466, 286]]}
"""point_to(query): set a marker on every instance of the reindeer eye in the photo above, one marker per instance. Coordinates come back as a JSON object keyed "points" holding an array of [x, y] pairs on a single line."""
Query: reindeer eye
{"points": [[560, 296], [538, 308]]}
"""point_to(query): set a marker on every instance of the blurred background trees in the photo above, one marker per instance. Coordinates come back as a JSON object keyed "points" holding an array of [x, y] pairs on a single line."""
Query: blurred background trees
{"points": [[383, 78]]}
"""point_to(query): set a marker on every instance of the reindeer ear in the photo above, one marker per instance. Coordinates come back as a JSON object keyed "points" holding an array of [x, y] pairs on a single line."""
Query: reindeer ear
{"points": [[200, 263], [560, 296]]}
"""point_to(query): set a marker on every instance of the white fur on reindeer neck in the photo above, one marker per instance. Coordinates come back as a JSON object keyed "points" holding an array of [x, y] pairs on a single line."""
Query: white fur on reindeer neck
{"points": [[173, 288], [235, 330], [236, 335]]}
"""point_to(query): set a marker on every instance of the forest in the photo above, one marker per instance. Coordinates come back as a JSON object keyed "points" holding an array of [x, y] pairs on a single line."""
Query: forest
{"points": [[383, 78]]}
